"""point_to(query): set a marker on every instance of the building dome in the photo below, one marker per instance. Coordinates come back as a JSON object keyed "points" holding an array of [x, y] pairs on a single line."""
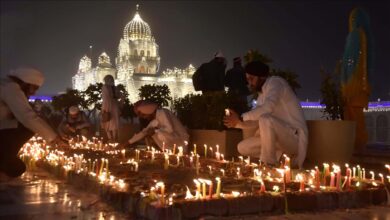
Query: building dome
{"points": [[137, 29]]}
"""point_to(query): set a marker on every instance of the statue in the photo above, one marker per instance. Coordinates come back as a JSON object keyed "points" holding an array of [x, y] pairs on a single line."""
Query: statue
{"points": [[356, 69]]}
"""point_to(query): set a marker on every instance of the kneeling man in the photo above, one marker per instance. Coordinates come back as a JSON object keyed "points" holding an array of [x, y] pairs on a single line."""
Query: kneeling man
{"points": [[279, 116], [163, 128]]}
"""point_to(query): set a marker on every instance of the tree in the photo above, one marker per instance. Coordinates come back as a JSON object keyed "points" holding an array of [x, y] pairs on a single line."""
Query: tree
{"points": [[93, 97], [159, 94], [331, 94], [71, 97]]}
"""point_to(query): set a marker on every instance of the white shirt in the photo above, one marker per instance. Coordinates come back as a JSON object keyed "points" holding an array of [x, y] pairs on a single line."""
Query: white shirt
{"points": [[278, 99], [165, 124], [14, 108]]}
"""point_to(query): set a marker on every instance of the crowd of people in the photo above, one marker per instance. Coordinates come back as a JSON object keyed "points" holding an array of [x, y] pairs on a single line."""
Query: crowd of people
{"points": [[277, 116]]}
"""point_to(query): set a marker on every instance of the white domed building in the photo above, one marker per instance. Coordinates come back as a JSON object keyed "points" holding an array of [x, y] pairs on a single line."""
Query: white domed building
{"points": [[137, 64]]}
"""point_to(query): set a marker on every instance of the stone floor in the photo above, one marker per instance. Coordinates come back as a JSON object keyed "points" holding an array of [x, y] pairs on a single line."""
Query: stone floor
{"points": [[37, 195]]}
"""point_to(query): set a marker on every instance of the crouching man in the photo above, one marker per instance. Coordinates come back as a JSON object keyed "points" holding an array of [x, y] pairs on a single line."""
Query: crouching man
{"points": [[163, 127], [278, 115]]}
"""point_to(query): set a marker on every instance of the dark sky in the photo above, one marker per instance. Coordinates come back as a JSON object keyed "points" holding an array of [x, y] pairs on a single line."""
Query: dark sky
{"points": [[298, 35]]}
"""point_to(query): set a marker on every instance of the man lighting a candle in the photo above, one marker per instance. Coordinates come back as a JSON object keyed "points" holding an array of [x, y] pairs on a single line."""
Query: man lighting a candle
{"points": [[18, 121], [164, 127], [278, 116]]}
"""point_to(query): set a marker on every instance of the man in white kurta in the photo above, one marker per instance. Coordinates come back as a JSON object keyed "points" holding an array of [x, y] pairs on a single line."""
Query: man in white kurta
{"points": [[18, 121], [278, 115], [164, 127], [110, 104]]}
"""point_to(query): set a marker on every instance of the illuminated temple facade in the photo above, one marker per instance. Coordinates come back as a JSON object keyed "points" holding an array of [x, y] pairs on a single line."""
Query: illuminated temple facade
{"points": [[137, 63]]}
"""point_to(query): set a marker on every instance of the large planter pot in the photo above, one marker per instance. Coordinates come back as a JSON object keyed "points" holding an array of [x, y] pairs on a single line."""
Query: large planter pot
{"points": [[330, 141], [226, 139]]}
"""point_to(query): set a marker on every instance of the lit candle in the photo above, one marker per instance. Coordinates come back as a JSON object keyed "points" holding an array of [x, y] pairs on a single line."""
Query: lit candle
{"points": [[218, 192], [288, 174], [382, 179], [227, 112], [174, 149], [137, 155], [203, 187], [286, 160], [162, 187], [238, 173], [101, 166], [180, 151], [163, 147], [223, 172], [166, 161], [217, 155], [205, 150], [359, 172], [152, 154], [197, 165], [363, 174], [107, 170], [198, 193], [353, 172], [348, 175], [123, 153], [212, 151], [331, 179], [210, 183], [194, 149], [210, 169], [177, 160], [135, 166], [241, 159], [388, 167], [372, 175], [248, 161], [299, 177], [222, 158], [338, 179]]}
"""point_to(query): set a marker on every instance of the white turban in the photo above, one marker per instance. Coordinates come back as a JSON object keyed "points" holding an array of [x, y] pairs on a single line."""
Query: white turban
{"points": [[29, 75]]}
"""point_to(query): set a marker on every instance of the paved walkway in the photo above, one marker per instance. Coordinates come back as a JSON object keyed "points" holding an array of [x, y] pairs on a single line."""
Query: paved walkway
{"points": [[36, 195]]}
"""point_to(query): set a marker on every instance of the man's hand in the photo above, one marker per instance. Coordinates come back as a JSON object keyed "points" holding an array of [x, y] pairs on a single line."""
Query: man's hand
{"points": [[59, 142], [231, 120], [70, 128]]}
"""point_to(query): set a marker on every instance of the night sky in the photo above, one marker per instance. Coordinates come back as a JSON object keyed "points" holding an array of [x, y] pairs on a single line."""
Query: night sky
{"points": [[300, 36]]}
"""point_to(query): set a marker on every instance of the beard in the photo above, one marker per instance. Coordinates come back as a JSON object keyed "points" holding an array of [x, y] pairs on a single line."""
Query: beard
{"points": [[257, 87]]}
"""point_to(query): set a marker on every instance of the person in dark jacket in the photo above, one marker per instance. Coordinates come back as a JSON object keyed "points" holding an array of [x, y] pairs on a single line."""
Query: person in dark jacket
{"points": [[235, 79], [210, 77]]}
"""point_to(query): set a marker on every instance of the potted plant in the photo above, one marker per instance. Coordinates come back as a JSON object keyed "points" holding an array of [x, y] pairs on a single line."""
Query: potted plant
{"points": [[330, 140], [203, 115]]}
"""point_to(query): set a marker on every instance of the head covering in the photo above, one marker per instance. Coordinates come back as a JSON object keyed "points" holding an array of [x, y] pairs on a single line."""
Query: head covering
{"points": [[109, 80], [257, 68], [237, 60], [218, 55], [73, 110], [145, 107], [29, 75]]}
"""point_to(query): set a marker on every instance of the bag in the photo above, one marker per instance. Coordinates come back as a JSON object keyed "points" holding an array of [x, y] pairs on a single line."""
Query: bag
{"points": [[106, 116]]}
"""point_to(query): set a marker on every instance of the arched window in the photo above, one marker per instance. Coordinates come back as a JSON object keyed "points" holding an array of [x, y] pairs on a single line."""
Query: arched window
{"points": [[142, 53], [382, 127], [370, 126]]}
